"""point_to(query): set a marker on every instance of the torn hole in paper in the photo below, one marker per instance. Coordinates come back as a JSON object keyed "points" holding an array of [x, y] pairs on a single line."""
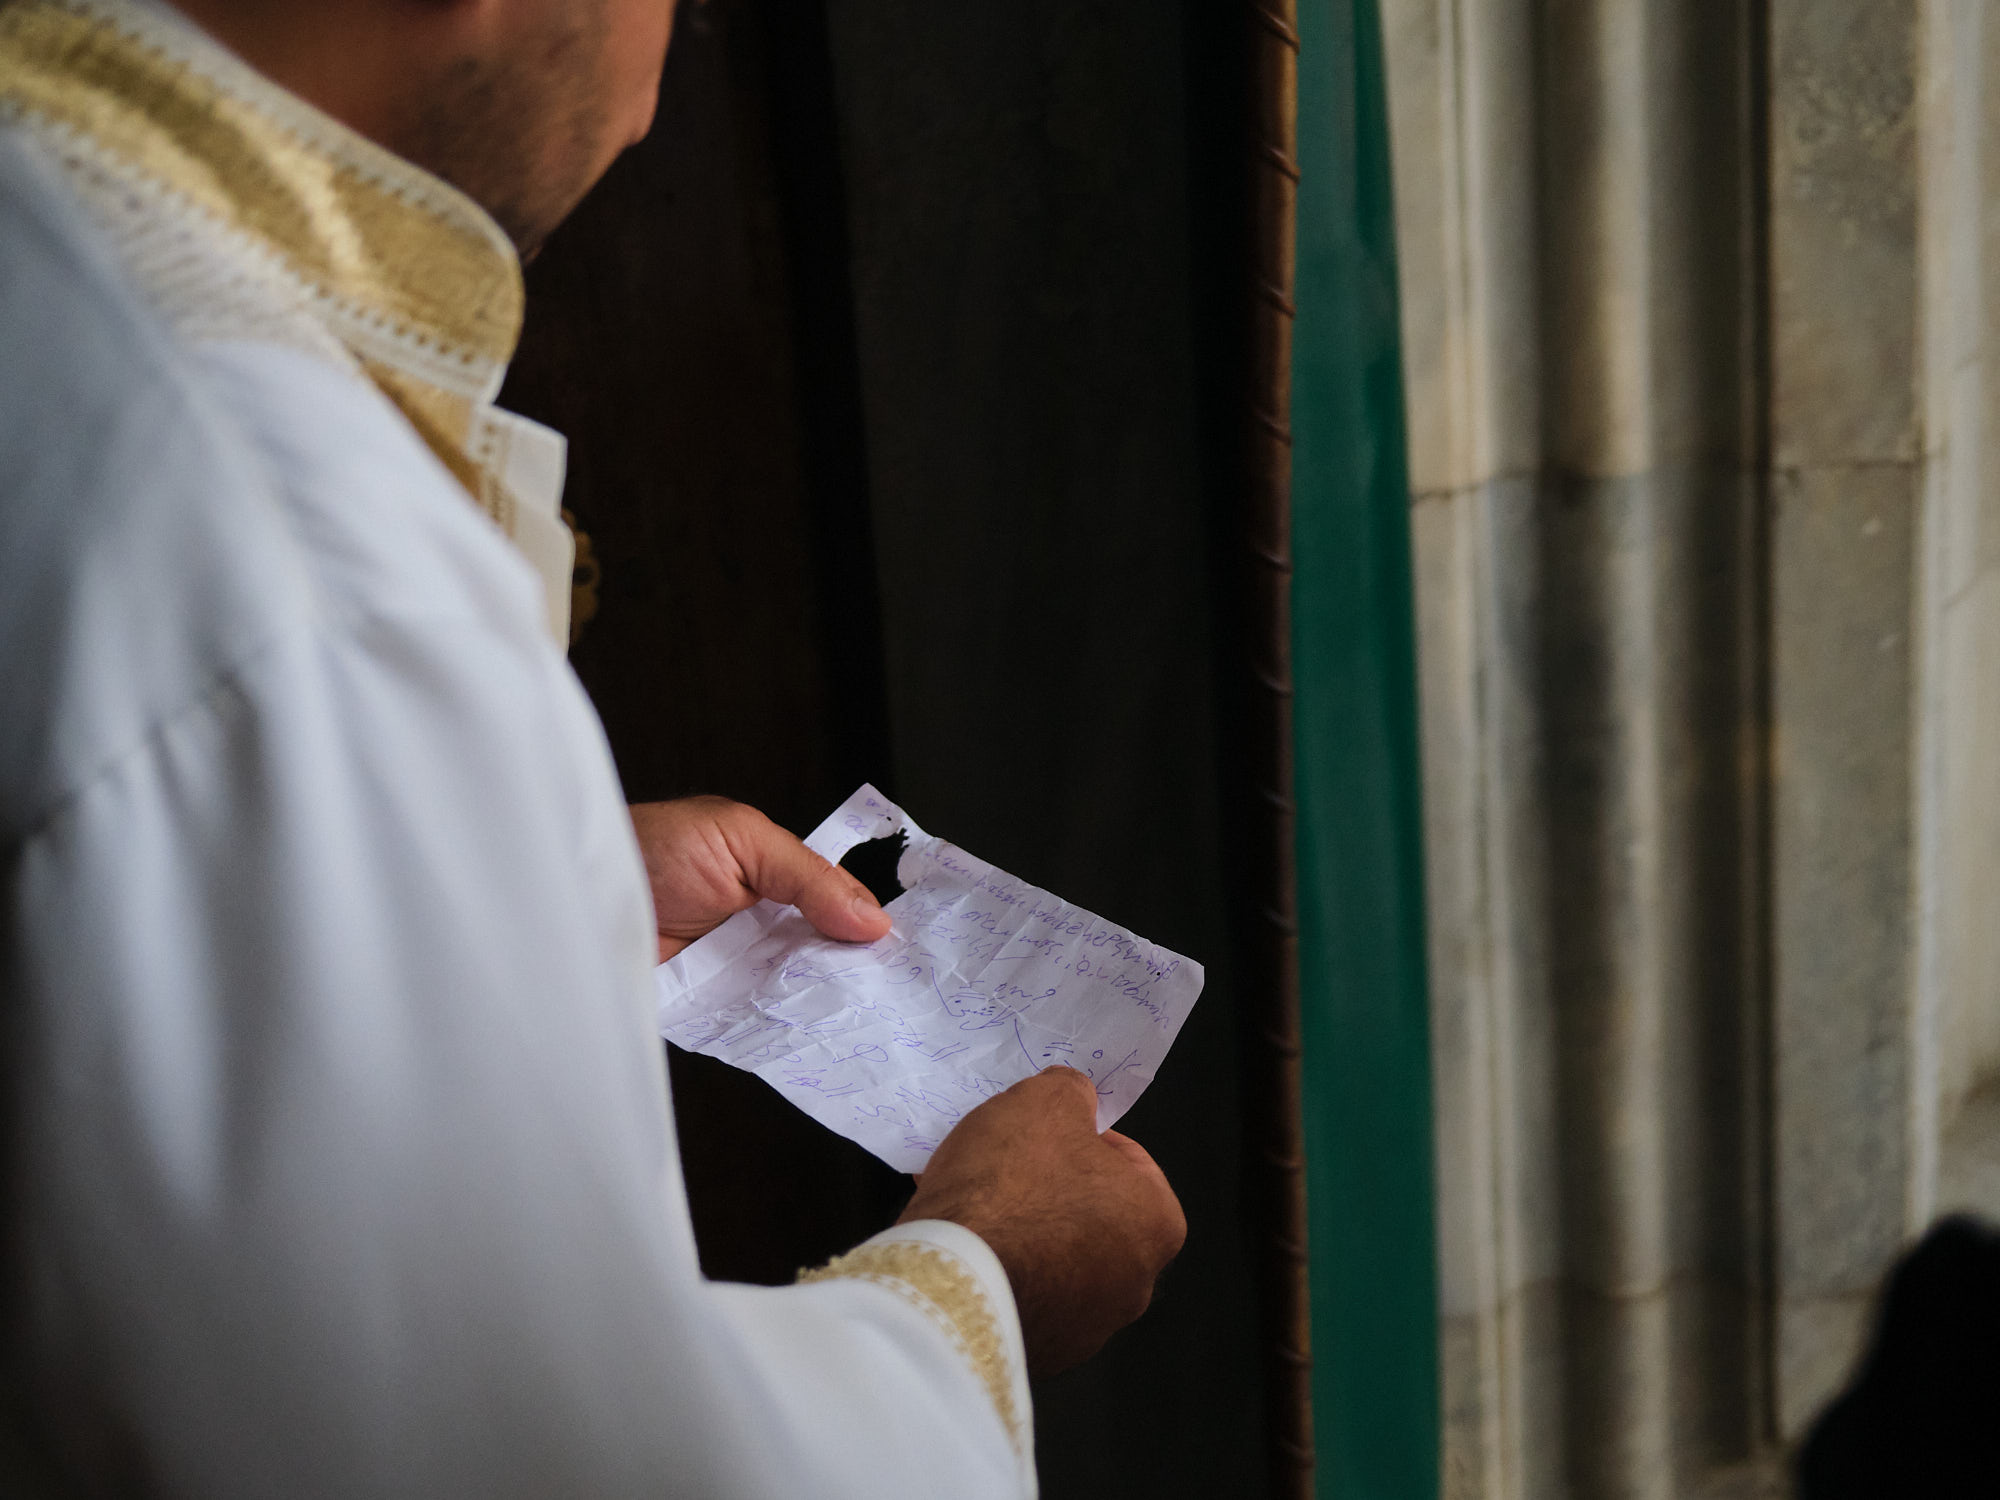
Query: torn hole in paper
{"points": [[873, 862], [983, 980]]}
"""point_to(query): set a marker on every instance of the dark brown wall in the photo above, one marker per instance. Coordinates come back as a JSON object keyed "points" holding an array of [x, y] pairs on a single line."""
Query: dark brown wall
{"points": [[1027, 231]]}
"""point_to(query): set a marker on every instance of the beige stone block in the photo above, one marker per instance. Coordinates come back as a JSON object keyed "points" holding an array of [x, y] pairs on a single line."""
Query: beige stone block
{"points": [[1760, 1479], [1423, 139], [1979, 43], [1513, 825], [1843, 233], [1975, 473], [1539, 1412], [1444, 536], [1646, 256], [1599, 182], [1960, 489], [1819, 1340], [1643, 670], [1659, 1397], [1969, 1164], [1968, 866], [1498, 105], [1462, 127], [1621, 1429], [1469, 1448], [1953, 123], [1843, 550]]}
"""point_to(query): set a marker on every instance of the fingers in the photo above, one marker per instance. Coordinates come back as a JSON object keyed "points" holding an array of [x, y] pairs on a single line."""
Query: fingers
{"points": [[1083, 1222], [779, 867], [1063, 1091]]}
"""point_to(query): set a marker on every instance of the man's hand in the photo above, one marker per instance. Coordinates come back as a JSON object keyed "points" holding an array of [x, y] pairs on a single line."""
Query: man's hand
{"points": [[1084, 1223], [708, 858]]}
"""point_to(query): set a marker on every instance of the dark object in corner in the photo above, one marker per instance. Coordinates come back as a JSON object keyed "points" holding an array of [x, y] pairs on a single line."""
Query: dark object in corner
{"points": [[1923, 1417]]}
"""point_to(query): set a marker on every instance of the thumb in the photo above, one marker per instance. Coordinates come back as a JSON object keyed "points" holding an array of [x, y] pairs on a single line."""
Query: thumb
{"points": [[779, 867], [1063, 1092]]}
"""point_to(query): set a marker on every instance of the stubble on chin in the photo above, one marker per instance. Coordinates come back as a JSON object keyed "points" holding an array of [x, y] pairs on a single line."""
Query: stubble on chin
{"points": [[521, 135]]}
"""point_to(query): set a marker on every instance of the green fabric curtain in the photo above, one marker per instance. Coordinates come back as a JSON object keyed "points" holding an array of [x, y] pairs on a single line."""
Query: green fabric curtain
{"points": [[1360, 844]]}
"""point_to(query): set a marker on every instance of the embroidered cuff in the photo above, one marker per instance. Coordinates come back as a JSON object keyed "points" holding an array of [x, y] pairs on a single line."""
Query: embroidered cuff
{"points": [[949, 1273]]}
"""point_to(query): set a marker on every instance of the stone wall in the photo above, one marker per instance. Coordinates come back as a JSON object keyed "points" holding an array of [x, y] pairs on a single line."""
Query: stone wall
{"points": [[1695, 342], [1959, 813]]}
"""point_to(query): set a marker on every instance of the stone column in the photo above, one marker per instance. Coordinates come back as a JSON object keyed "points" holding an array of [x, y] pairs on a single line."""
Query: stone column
{"points": [[1694, 349], [1847, 486]]}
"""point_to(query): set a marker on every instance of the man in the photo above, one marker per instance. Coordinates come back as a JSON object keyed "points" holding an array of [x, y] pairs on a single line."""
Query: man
{"points": [[336, 1143]]}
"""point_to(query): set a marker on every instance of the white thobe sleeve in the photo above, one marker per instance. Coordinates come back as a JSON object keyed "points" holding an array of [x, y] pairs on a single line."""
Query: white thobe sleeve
{"points": [[337, 1149]]}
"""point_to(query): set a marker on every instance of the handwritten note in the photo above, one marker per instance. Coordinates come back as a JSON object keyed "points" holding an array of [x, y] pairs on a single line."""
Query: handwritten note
{"points": [[982, 981]]}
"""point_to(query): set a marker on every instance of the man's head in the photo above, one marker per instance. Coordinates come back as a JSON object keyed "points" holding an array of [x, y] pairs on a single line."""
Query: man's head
{"points": [[521, 104]]}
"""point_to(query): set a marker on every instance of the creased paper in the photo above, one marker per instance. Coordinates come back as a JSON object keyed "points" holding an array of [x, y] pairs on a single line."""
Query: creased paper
{"points": [[982, 981]]}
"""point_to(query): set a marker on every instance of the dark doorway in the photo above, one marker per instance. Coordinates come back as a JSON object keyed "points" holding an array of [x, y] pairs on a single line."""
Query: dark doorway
{"points": [[880, 366]]}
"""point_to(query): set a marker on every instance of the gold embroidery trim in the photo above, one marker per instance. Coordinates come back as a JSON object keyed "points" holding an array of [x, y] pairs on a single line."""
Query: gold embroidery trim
{"points": [[407, 269], [937, 1284], [409, 275], [443, 419], [585, 576]]}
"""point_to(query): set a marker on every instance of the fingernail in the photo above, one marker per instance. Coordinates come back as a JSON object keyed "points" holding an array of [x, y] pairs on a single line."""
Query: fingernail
{"points": [[865, 906]]}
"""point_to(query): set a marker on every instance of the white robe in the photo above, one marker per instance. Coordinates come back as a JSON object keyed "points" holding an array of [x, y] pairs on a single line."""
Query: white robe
{"points": [[335, 1134]]}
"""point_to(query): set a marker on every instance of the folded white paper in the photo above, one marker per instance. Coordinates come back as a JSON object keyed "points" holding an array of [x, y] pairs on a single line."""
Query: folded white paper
{"points": [[982, 981]]}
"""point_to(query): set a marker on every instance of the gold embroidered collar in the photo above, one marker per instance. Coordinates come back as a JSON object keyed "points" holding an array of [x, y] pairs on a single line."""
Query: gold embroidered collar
{"points": [[407, 272], [243, 212]]}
